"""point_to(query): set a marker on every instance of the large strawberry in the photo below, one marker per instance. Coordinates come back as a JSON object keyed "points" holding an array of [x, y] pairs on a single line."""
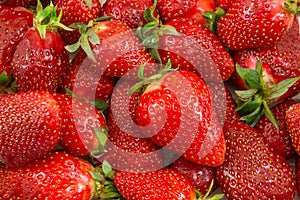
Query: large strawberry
{"points": [[155, 185], [279, 138], [258, 23], [292, 123], [82, 126], [58, 176], [175, 110], [252, 169], [40, 61], [78, 11], [30, 126]]}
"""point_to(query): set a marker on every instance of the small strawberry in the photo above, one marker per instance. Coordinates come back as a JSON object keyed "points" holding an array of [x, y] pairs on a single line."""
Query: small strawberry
{"points": [[75, 11], [292, 123], [58, 176], [40, 61], [82, 126], [30, 126], [155, 185], [251, 169], [131, 12], [258, 23], [278, 139], [171, 9]]}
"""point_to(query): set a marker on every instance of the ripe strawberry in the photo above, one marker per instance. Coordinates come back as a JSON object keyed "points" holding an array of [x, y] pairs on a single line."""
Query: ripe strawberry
{"points": [[224, 4], [155, 185], [251, 168], [21, 3], [199, 176], [171, 9], [278, 139], [197, 50], [131, 12], [58, 176], [40, 61], [292, 123], [178, 105], [30, 126], [259, 23], [75, 11], [81, 123]]}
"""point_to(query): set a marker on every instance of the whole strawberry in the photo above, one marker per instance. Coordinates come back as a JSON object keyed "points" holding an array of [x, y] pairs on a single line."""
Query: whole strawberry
{"points": [[258, 23], [155, 185], [292, 123], [58, 176], [40, 60], [30, 126], [252, 169]]}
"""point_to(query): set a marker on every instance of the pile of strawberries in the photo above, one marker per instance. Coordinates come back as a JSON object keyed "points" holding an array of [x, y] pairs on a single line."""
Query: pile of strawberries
{"points": [[142, 99]]}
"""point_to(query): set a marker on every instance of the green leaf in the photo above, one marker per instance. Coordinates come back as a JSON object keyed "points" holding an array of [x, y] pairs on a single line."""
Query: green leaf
{"points": [[249, 106], [151, 42], [245, 95], [97, 176], [213, 18], [89, 3], [85, 45], [93, 37], [107, 170], [269, 114], [281, 88], [100, 104], [102, 135], [102, 2], [252, 118], [250, 77], [4, 79], [73, 47], [166, 29], [141, 71]]}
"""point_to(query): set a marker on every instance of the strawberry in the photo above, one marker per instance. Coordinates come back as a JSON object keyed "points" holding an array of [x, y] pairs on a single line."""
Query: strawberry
{"points": [[171, 9], [30, 126], [278, 139], [58, 176], [75, 11], [259, 23], [292, 123], [251, 168], [21, 3], [154, 185], [131, 12], [40, 61], [177, 104], [224, 4], [81, 124], [199, 176]]}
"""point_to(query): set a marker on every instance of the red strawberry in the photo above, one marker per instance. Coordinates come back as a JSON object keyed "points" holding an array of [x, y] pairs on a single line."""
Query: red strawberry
{"points": [[278, 139], [58, 176], [224, 4], [176, 112], [199, 176], [197, 50], [21, 3], [131, 12], [75, 11], [292, 123], [30, 126], [171, 9], [155, 185], [251, 168], [40, 61], [259, 23], [79, 121]]}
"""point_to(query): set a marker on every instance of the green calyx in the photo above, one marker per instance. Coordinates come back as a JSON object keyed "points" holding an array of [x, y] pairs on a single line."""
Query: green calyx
{"points": [[47, 19], [147, 80], [213, 18], [255, 101], [105, 188], [7, 84], [149, 33], [205, 197], [292, 6]]}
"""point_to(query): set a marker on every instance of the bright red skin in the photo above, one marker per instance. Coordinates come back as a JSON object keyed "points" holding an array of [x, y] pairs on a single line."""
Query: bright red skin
{"points": [[79, 119], [30, 126], [86, 82], [279, 62], [293, 122], [48, 177], [40, 64], [155, 185], [251, 168], [179, 105], [75, 11], [224, 4], [131, 12], [199, 176], [171, 9], [251, 24], [204, 54], [119, 50], [21, 3], [279, 139], [14, 22]]}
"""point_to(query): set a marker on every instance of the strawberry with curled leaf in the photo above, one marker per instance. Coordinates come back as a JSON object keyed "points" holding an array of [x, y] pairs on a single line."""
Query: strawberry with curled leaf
{"points": [[30, 125]]}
